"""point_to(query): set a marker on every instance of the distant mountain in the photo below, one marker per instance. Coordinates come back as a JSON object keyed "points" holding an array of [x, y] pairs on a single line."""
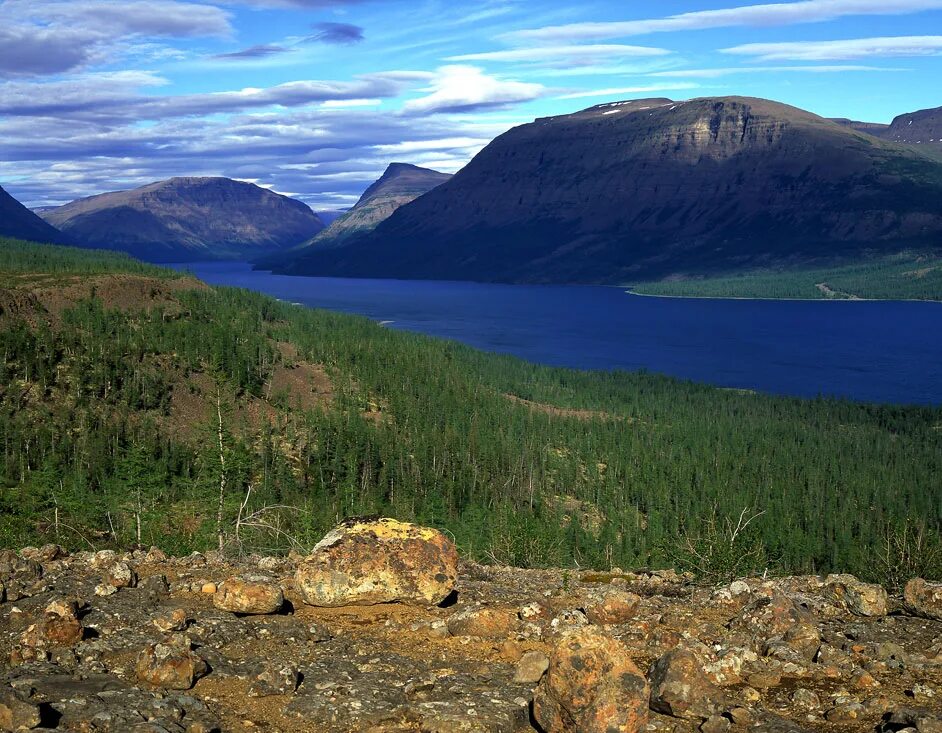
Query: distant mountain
{"points": [[652, 188], [922, 128], [188, 219], [399, 185], [877, 129], [20, 223]]}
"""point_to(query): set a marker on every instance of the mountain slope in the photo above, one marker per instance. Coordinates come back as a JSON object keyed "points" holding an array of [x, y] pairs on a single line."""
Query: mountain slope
{"points": [[920, 128], [188, 219], [399, 185], [18, 221], [651, 188]]}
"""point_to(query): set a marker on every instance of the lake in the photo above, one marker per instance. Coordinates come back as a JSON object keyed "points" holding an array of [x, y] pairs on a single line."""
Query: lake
{"points": [[887, 351]]}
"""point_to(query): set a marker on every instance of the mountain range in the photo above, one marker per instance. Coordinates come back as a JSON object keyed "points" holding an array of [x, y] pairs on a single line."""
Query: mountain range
{"points": [[653, 188], [185, 219]]}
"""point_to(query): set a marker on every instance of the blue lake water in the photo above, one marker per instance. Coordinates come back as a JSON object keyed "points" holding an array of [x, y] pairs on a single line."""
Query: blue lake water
{"points": [[871, 351]]}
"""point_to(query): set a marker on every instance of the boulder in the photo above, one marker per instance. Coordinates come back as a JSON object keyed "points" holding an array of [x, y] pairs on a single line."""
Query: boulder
{"points": [[17, 713], [120, 575], [173, 666], [365, 562], [592, 686], [680, 687], [249, 595], [531, 668], [614, 606], [60, 626], [923, 599], [910, 719], [861, 599]]}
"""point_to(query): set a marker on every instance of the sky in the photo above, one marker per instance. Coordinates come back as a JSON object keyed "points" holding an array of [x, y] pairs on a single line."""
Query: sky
{"points": [[314, 98]]}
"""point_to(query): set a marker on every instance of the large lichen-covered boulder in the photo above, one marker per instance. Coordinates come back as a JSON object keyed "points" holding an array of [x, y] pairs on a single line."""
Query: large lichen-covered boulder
{"points": [[923, 599], [592, 686], [365, 562]]}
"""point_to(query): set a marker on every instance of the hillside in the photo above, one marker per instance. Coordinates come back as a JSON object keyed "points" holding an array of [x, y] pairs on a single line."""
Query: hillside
{"points": [[400, 184], [183, 219], [19, 222], [903, 277], [119, 380], [652, 188]]}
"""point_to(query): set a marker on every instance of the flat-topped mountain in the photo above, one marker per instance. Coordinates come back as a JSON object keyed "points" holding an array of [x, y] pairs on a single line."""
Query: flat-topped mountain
{"points": [[654, 188], [399, 185], [923, 128], [188, 219], [19, 222]]}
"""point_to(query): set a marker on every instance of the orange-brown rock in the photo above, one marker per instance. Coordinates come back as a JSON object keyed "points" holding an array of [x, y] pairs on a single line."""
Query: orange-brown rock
{"points": [[488, 623], [681, 688], [861, 599], [364, 562], [592, 686], [60, 626], [923, 599], [612, 607], [248, 595], [172, 666]]}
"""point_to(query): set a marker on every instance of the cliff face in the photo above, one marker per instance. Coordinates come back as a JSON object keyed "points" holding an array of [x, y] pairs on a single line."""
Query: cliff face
{"points": [[20, 223], [399, 185], [188, 219], [651, 188]]}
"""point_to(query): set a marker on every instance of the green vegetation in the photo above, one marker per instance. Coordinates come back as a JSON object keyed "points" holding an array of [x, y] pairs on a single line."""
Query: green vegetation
{"points": [[18, 258], [127, 426], [898, 278]]}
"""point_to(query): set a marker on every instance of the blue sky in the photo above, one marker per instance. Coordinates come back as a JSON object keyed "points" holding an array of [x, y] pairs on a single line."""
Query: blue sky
{"points": [[313, 98]]}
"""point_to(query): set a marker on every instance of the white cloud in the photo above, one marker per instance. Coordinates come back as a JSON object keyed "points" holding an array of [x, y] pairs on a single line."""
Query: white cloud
{"points": [[623, 91], [563, 54], [460, 88], [347, 103], [858, 48], [770, 14], [734, 70]]}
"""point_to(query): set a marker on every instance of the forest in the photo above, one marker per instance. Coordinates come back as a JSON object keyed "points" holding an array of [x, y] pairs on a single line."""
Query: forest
{"points": [[902, 277], [189, 421]]}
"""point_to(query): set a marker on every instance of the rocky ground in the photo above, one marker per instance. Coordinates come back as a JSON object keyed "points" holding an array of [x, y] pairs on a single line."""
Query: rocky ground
{"points": [[99, 641]]}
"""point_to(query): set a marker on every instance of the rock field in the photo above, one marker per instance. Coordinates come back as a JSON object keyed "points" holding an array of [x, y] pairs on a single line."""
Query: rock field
{"points": [[407, 637]]}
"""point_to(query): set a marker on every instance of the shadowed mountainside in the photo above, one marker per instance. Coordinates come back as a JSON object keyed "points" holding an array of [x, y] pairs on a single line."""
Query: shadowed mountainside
{"points": [[399, 185], [19, 222], [188, 219], [653, 188]]}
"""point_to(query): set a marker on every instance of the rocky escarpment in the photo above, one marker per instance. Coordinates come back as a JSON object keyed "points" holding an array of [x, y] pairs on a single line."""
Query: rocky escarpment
{"points": [[399, 185], [20, 223], [188, 219], [651, 188], [920, 128], [105, 641]]}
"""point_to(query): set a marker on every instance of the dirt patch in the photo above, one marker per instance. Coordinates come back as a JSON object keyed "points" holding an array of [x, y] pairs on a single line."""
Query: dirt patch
{"points": [[564, 411]]}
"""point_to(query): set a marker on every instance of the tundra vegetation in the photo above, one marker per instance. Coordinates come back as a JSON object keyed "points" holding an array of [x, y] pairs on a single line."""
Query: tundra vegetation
{"points": [[196, 416]]}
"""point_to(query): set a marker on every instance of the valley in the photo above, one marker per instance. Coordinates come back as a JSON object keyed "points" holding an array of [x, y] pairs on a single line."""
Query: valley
{"points": [[328, 415]]}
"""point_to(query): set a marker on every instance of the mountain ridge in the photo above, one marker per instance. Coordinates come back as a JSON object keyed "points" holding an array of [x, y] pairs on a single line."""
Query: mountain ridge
{"points": [[401, 183], [652, 188], [188, 218], [19, 222]]}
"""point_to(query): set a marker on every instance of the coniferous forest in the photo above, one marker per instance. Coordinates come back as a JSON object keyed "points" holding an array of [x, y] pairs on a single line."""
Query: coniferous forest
{"points": [[195, 416]]}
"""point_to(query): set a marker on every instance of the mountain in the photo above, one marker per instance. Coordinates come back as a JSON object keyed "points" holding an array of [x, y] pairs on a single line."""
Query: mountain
{"points": [[188, 219], [877, 129], [652, 188], [19, 222], [922, 128], [399, 185]]}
